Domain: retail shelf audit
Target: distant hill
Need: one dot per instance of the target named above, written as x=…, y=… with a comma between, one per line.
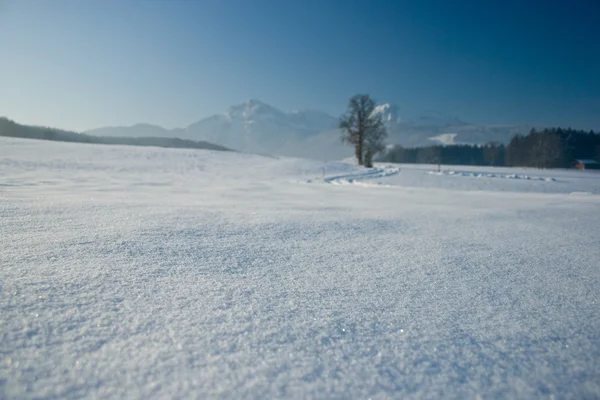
x=10, y=128
x=138, y=130
x=256, y=127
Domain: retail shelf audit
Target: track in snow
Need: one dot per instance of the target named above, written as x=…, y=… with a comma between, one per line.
x=491, y=175
x=359, y=177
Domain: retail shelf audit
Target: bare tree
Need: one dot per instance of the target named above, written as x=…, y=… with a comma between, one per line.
x=363, y=128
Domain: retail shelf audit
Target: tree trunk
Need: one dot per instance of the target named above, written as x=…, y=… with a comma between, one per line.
x=358, y=153
x=368, y=160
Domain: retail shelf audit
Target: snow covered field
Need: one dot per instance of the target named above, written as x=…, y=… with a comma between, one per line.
x=158, y=273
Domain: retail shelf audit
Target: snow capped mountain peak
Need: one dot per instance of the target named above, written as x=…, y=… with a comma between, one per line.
x=254, y=126
x=253, y=108
x=388, y=112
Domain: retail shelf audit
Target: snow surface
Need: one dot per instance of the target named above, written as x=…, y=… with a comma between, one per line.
x=445, y=138
x=388, y=112
x=161, y=273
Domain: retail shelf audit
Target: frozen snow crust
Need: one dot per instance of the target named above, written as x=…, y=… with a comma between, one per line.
x=157, y=273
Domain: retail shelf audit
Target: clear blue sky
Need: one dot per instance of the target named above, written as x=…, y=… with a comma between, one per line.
x=82, y=64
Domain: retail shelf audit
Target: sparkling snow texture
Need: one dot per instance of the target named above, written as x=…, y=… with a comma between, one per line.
x=157, y=273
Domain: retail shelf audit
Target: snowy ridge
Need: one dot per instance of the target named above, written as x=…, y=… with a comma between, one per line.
x=256, y=127
x=445, y=138
x=388, y=112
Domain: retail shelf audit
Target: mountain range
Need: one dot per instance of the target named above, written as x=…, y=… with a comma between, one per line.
x=256, y=127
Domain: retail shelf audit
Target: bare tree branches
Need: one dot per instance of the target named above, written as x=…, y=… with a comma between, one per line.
x=363, y=128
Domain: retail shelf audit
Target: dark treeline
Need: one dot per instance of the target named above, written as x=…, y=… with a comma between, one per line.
x=490, y=154
x=547, y=148
x=552, y=148
x=10, y=128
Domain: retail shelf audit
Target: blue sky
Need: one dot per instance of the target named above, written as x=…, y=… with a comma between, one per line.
x=84, y=64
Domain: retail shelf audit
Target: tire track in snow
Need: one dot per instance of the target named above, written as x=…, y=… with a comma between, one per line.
x=361, y=177
x=476, y=174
